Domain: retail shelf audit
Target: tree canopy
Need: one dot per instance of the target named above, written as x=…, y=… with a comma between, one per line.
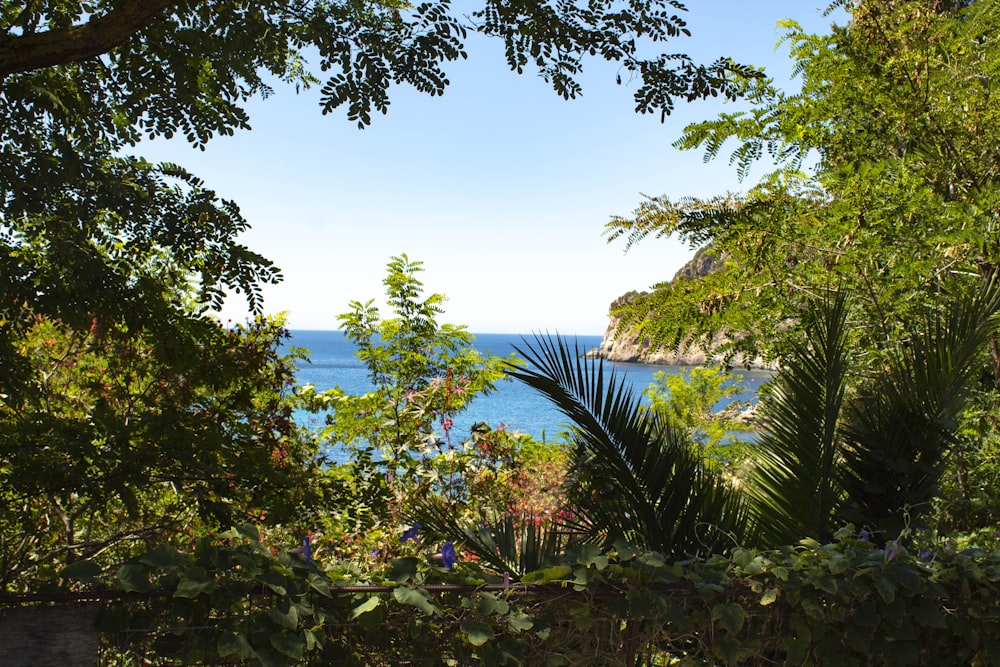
x=884, y=182
x=126, y=411
x=88, y=230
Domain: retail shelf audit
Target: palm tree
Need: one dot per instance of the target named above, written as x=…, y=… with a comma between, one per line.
x=635, y=477
x=874, y=458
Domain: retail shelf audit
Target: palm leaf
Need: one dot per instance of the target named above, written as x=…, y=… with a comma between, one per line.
x=636, y=478
x=515, y=544
x=794, y=483
x=899, y=432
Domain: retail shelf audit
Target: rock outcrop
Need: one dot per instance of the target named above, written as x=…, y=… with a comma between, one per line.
x=639, y=349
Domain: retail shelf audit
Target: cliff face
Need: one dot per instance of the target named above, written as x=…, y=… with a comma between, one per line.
x=636, y=349
x=633, y=348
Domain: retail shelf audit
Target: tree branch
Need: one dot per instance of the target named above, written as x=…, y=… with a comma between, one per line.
x=31, y=51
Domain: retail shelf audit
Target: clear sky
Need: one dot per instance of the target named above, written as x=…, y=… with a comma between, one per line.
x=500, y=186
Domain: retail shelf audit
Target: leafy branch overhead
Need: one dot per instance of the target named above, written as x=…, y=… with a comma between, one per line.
x=880, y=177
x=367, y=46
x=87, y=230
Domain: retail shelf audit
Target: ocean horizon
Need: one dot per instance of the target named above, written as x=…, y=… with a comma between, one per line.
x=514, y=405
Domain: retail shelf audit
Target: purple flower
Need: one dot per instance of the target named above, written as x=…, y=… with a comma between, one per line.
x=305, y=549
x=865, y=537
x=410, y=533
x=927, y=556
x=448, y=555
x=891, y=550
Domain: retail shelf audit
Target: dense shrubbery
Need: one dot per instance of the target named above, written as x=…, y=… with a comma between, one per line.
x=844, y=603
x=465, y=551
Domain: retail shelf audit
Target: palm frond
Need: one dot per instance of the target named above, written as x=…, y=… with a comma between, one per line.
x=636, y=478
x=794, y=483
x=515, y=544
x=899, y=432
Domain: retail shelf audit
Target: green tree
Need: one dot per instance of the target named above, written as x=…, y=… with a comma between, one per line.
x=885, y=182
x=400, y=434
x=691, y=399
x=833, y=451
x=97, y=242
x=86, y=230
x=636, y=474
x=115, y=450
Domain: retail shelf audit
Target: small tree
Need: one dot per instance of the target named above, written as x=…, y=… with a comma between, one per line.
x=701, y=401
x=400, y=434
x=117, y=449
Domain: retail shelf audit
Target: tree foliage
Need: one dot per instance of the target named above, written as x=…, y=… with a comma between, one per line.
x=119, y=260
x=88, y=230
x=833, y=450
x=702, y=401
x=115, y=449
x=636, y=474
x=884, y=183
x=398, y=439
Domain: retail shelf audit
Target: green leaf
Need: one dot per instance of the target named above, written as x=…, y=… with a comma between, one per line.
x=319, y=583
x=274, y=580
x=162, y=557
x=193, y=582
x=769, y=596
x=403, y=569
x=81, y=570
x=133, y=578
x=368, y=605
x=885, y=588
x=490, y=604
x=233, y=643
x=286, y=615
x=928, y=614
x=414, y=598
x=289, y=644
x=550, y=574
x=519, y=621
x=590, y=554
x=731, y=615
x=477, y=633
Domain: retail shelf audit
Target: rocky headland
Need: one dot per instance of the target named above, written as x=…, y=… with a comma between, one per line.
x=628, y=347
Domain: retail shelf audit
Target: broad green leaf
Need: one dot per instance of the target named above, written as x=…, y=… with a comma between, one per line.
x=319, y=583
x=403, y=569
x=230, y=644
x=81, y=570
x=476, y=632
x=731, y=615
x=289, y=644
x=929, y=614
x=519, y=621
x=365, y=607
x=193, y=582
x=133, y=578
x=555, y=573
x=490, y=604
x=286, y=615
x=414, y=598
x=885, y=588
x=162, y=557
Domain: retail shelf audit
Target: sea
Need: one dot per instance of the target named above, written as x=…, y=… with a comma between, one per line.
x=514, y=405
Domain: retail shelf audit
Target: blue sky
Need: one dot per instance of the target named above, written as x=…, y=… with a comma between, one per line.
x=500, y=187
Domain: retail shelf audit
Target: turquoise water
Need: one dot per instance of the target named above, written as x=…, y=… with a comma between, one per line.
x=514, y=405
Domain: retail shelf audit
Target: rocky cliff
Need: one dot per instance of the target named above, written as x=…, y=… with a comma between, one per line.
x=632, y=348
